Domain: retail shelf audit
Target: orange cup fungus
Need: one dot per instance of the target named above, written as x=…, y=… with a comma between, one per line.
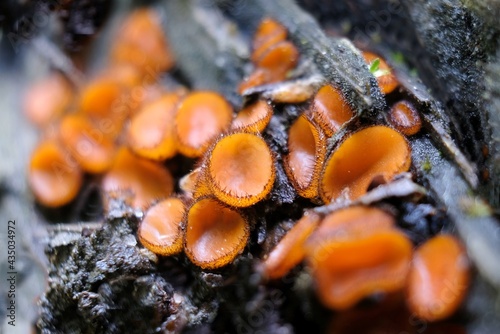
x=268, y=34
x=330, y=109
x=438, y=279
x=160, y=230
x=355, y=253
x=141, y=42
x=215, y=233
x=253, y=118
x=405, y=118
x=371, y=152
x=306, y=154
x=54, y=177
x=240, y=169
x=151, y=131
x=273, y=56
x=387, y=81
x=290, y=251
x=201, y=117
x=99, y=97
x=147, y=180
x=88, y=146
x=47, y=99
x=278, y=60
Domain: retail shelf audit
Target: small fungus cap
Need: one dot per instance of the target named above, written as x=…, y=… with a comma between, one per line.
x=215, y=233
x=405, y=118
x=151, y=131
x=386, y=79
x=200, y=118
x=240, y=169
x=278, y=60
x=330, y=109
x=269, y=33
x=160, y=230
x=371, y=152
x=147, y=180
x=439, y=278
x=99, y=97
x=47, y=99
x=307, y=150
x=253, y=118
x=54, y=177
x=357, y=252
x=88, y=145
x=289, y=252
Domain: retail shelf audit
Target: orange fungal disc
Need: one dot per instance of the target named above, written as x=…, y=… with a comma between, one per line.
x=387, y=81
x=253, y=118
x=306, y=153
x=215, y=233
x=439, y=278
x=357, y=254
x=147, y=180
x=54, y=178
x=201, y=117
x=268, y=34
x=376, y=151
x=47, y=99
x=354, y=222
x=151, y=131
x=346, y=272
x=405, y=118
x=160, y=230
x=257, y=78
x=330, y=109
x=278, y=60
x=141, y=42
x=99, y=97
x=289, y=252
x=88, y=146
x=240, y=169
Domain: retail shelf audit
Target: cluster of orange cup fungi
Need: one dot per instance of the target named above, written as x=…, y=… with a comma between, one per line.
x=83, y=126
x=122, y=124
x=358, y=251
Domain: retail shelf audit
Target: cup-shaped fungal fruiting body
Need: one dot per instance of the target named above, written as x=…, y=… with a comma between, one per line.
x=405, y=118
x=253, y=118
x=47, y=99
x=151, y=131
x=273, y=56
x=278, y=60
x=142, y=43
x=386, y=79
x=215, y=233
x=89, y=146
x=268, y=33
x=54, y=177
x=439, y=278
x=306, y=154
x=100, y=96
x=240, y=169
x=160, y=230
x=290, y=251
x=355, y=254
x=146, y=180
x=201, y=116
x=375, y=151
x=330, y=109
